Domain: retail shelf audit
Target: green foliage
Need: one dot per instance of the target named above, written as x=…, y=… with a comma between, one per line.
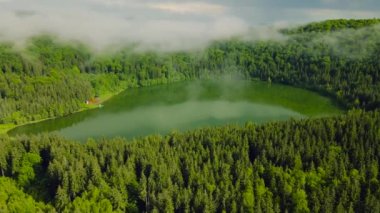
x=90, y=201
x=300, y=201
x=248, y=199
x=26, y=171
x=334, y=25
x=255, y=168
x=31, y=98
x=15, y=200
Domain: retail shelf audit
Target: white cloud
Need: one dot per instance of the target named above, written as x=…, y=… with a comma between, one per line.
x=190, y=7
x=100, y=29
x=168, y=24
x=116, y=3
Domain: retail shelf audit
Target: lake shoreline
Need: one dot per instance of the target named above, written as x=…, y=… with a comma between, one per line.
x=151, y=109
x=5, y=128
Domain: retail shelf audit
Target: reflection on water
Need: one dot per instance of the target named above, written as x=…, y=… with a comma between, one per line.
x=162, y=119
x=183, y=106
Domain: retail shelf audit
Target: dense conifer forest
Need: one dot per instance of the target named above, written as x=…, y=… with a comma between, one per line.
x=322, y=165
x=311, y=165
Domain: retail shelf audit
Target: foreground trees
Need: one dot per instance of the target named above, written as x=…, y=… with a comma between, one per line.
x=328, y=165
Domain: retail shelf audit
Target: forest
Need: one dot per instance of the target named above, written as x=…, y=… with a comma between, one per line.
x=52, y=78
x=315, y=165
x=309, y=165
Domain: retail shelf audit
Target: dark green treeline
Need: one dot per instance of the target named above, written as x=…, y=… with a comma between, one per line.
x=320, y=165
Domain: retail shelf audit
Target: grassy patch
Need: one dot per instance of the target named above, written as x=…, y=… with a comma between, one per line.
x=4, y=128
x=101, y=99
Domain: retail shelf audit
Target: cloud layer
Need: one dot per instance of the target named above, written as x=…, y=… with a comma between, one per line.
x=190, y=7
x=161, y=24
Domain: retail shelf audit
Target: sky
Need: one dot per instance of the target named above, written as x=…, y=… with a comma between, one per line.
x=167, y=24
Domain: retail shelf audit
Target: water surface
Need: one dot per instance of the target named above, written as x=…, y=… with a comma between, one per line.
x=185, y=106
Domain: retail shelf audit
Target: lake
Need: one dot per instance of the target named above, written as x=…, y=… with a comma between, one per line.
x=185, y=106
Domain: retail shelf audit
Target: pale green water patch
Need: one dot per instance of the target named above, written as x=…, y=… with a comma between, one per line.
x=185, y=106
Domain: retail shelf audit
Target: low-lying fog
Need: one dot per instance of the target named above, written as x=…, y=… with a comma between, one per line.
x=168, y=25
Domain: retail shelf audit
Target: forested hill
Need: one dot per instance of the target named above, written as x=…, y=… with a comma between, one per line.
x=333, y=25
x=52, y=78
x=323, y=165
x=312, y=165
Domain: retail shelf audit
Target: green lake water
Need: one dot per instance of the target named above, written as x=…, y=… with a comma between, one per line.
x=185, y=106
